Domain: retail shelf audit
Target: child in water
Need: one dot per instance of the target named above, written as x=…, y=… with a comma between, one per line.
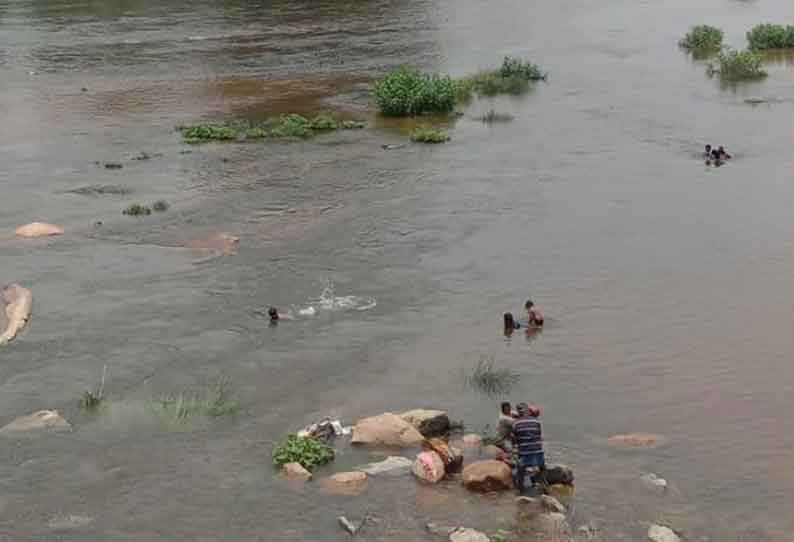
x=534, y=316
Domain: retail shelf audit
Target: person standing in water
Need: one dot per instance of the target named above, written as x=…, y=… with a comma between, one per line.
x=504, y=426
x=528, y=439
x=534, y=316
x=510, y=324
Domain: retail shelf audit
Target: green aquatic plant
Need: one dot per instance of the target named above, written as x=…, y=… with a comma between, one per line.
x=738, y=66
x=292, y=125
x=208, y=132
x=770, y=36
x=212, y=401
x=425, y=134
x=405, y=92
x=515, y=77
x=136, y=209
x=92, y=398
x=522, y=69
x=255, y=132
x=491, y=380
x=160, y=206
x=702, y=40
x=324, y=122
x=308, y=451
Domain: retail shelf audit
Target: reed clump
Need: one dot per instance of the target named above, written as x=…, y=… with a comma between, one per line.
x=770, y=36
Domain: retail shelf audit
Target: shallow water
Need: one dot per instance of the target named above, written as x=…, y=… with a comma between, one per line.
x=664, y=281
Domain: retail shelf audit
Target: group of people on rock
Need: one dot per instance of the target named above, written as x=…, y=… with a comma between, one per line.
x=715, y=155
x=520, y=437
x=533, y=321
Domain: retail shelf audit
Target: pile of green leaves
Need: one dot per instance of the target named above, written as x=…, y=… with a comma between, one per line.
x=771, y=36
x=739, y=66
x=405, y=92
x=424, y=134
x=309, y=452
x=702, y=40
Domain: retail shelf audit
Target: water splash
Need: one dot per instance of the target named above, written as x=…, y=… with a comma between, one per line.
x=329, y=301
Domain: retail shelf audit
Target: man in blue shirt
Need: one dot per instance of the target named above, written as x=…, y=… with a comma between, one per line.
x=528, y=440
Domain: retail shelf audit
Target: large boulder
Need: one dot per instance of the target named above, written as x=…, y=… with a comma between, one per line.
x=295, y=471
x=489, y=475
x=559, y=474
x=660, y=533
x=38, y=229
x=19, y=303
x=391, y=465
x=387, y=429
x=463, y=534
x=451, y=456
x=428, y=467
x=431, y=423
x=43, y=419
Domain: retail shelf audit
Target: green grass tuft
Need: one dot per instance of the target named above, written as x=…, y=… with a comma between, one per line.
x=425, y=134
x=309, y=452
x=514, y=77
x=738, y=66
x=491, y=380
x=91, y=399
x=405, y=92
x=212, y=401
x=136, y=209
x=702, y=40
x=770, y=36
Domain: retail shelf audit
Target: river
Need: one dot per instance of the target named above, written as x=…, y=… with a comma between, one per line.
x=664, y=281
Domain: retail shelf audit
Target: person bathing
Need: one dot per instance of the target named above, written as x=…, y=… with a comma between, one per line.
x=534, y=316
x=504, y=427
x=528, y=439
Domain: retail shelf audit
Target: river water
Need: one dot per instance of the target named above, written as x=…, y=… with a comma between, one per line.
x=665, y=282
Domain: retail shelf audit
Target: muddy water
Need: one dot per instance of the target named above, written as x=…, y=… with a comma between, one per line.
x=665, y=282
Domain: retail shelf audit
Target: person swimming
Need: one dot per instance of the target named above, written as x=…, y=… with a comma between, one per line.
x=275, y=316
x=723, y=154
x=510, y=323
x=534, y=316
x=707, y=154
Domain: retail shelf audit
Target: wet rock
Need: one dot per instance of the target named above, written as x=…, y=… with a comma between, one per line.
x=560, y=491
x=660, y=533
x=636, y=440
x=18, y=304
x=428, y=467
x=467, y=535
x=440, y=530
x=653, y=482
x=431, y=423
x=559, y=474
x=528, y=507
x=392, y=465
x=113, y=165
x=62, y=523
x=346, y=483
x=451, y=456
x=472, y=440
x=295, y=471
x=489, y=475
x=38, y=229
x=43, y=419
x=387, y=429
x=553, y=527
x=550, y=504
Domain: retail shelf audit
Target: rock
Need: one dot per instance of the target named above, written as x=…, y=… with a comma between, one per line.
x=43, y=419
x=654, y=482
x=451, y=456
x=428, y=467
x=391, y=465
x=660, y=533
x=472, y=440
x=346, y=483
x=550, y=504
x=553, y=527
x=489, y=475
x=431, y=423
x=19, y=303
x=69, y=522
x=636, y=440
x=559, y=474
x=528, y=506
x=492, y=451
x=560, y=491
x=467, y=535
x=441, y=530
x=387, y=429
x=295, y=471
x=38, y=229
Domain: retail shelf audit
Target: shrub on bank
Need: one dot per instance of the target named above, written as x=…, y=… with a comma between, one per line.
x=308, y=451
x=770, y=36
x=739, y=66
x=429, y=135
x=406, y=92
x=702, y=39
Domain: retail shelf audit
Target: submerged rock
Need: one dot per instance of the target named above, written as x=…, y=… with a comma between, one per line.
x=295, y=471
x=428, y=467
x=489, y=475
x=559, y=474
x=70, y=522
x=553, y=527
x=441, y=530
x=218, y=241
x=38, y=229
x=43, y=419
x=468, y=535
x=430, y=423
x=387, y=429
x=636, y=440
x=660, y=533
x=550, y=504
x=391, y=465
x=346, y=483
x=652, y=481
x=19, y=303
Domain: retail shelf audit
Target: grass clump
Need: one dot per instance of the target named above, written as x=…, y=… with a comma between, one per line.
x=324, y=122
x=491, y=380
x=292, y=125
x=208, y=132
x=424, y=134
x=738, y=66
x=522, y=69
x=308, y=451
x=91, y=399
x=770, y=36
x=160, y=206
x=212, y=401
x=515, y=77
x=136, y=209
x=702, y=39
x=405, y=92
x=492, y=116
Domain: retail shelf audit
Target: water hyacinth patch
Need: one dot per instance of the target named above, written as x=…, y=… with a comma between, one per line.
x=308, y=451
x=702, y=40
x=286, y=126
x=208, y=132
x=429, y=135
x=405, y=92
x=770, y=36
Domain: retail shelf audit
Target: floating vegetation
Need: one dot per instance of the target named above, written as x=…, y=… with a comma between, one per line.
x=91, y=399
x=515, y=76
x=291, y=125
x=491, y=380
x=425, y=134
x=405, y=92
x=160, y=206
x=136, y=209
x=738, y=66
x=492, y=116
x=308, y=451
x=208, y=132
x=212, y=401
x=702, y=40
x=324, y=122
x=770, y=36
